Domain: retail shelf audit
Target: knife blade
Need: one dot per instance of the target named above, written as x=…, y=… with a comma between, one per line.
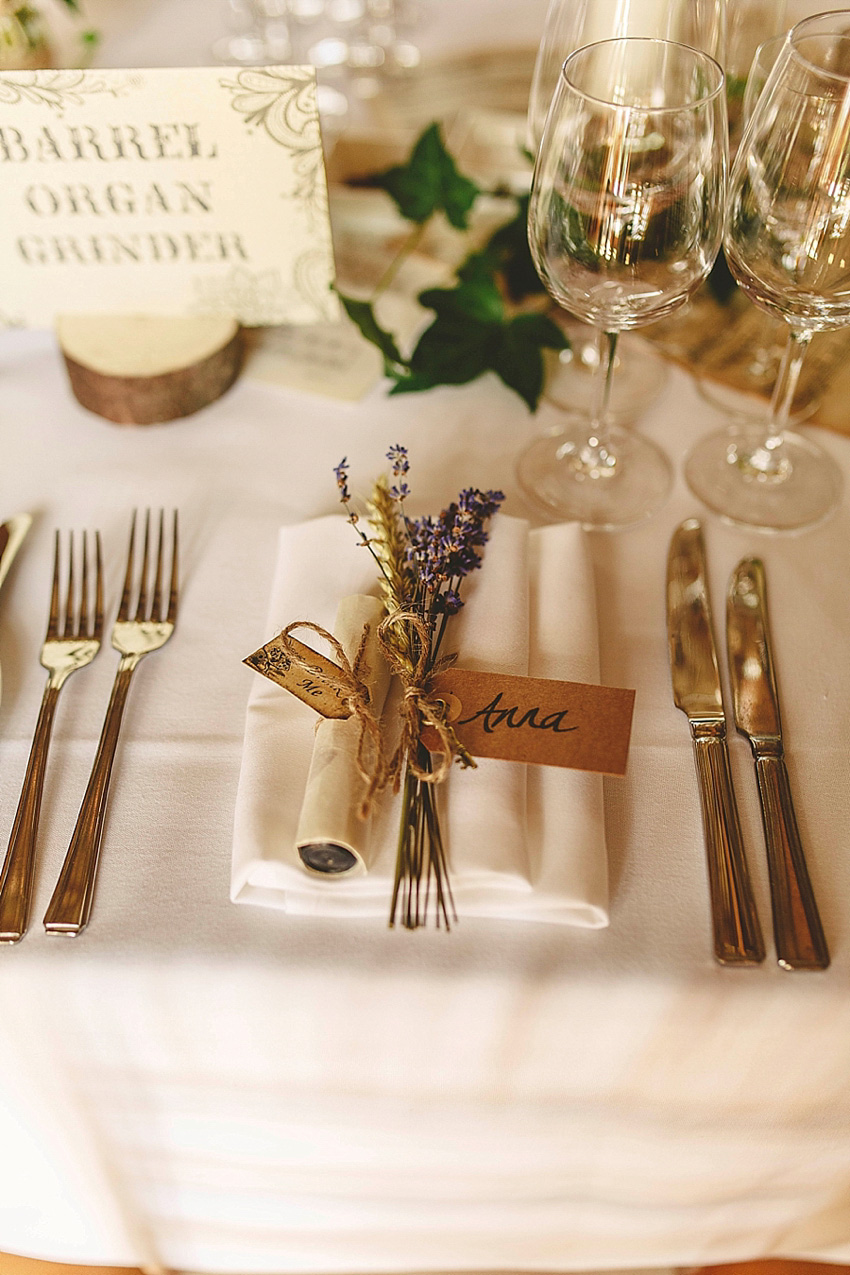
x=12, y=534
x=696, y=692
x=800, y=941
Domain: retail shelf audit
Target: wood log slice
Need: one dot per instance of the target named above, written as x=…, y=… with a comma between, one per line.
x=143, y=369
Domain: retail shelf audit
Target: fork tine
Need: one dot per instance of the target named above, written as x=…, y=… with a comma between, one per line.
x=98, y=589
x=142, y=604
x=53, y=619
x=82, y=626
x=172, y=593
x=156, y=601
x=68, y=617
x=124, y=605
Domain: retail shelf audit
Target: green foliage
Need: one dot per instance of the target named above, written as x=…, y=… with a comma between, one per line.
x=472, y=334
x=473, y=330
x=429, y=182
x=362, y=313
x=509, y=251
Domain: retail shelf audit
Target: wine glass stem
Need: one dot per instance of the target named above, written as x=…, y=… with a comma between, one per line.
x=785, y=389
x=597, y=456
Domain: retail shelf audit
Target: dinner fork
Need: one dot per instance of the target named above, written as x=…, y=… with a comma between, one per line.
x=63, y=652
x=136, y=636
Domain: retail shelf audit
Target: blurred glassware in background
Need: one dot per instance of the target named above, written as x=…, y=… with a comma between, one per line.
x=569, y=25
x=354, y=44
x=767, y=341
x=788, y=244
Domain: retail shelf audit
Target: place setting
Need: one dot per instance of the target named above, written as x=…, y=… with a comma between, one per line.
x=431, y=687
x=460, y=883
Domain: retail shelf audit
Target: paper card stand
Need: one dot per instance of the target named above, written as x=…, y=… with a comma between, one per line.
x=151, y=215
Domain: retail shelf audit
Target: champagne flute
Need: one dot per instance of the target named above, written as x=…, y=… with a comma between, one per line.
x=569, y=25
x=625, y=220
x=788, y=245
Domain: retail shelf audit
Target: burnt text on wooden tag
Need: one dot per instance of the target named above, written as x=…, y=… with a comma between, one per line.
x=273, y=662
x=534, y=719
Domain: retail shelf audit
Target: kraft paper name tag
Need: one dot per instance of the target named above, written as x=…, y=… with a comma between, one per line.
x=272, y=662
x=523, y=719
x=533, y=719
x=167, y=191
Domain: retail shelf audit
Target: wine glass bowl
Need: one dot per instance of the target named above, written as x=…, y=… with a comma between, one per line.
x=569, y=25
x=625, y=219
x=788, y=244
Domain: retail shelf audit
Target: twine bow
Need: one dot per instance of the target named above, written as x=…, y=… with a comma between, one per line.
x=419, y=705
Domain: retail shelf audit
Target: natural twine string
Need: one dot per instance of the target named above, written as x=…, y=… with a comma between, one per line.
x=419, y=707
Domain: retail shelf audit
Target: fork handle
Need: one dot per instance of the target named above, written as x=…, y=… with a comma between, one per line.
x=16, y=879
x=70, y=907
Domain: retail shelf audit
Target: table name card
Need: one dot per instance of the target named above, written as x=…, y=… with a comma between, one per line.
x=538, y=720
x=524, y=719
x=170, y=191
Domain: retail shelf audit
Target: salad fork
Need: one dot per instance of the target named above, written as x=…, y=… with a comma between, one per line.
x=64, y=651
x=134, y=636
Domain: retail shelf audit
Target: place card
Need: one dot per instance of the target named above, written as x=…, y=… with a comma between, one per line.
x=538, y=720
x=186, y=191
x=535, y=720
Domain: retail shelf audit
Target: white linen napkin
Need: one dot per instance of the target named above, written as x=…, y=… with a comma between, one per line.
x=523, y=842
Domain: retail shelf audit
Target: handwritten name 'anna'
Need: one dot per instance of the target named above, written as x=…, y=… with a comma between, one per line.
x=492, y=716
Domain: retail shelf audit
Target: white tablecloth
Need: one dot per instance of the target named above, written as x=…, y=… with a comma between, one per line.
x=229, y=1089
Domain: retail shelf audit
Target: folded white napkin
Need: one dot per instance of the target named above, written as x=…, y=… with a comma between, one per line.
x=524, y=842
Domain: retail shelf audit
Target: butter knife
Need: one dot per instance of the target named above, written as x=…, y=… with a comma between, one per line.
x=12, y=534
x=696, y=691
x=800, y=942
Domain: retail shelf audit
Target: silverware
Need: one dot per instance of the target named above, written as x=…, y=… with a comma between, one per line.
x=62, y=654
x=150, y=627
x=12, y=533
x=800, y=942
x=696, y=691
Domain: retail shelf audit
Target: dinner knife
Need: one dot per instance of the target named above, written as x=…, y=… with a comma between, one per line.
x=696, y=691
x=800, y=941
x=12, y=534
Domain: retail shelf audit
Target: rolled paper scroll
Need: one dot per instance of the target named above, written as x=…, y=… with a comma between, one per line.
x=332, y=839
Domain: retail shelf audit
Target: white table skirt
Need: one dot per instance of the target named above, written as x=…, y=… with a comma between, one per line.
x=184, y=1083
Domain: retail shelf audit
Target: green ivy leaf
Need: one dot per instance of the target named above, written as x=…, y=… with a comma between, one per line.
x=362, y=313
x=519, y=357
x=509, y=250
x=470, y=336
x=472, y=299
x=429, y=182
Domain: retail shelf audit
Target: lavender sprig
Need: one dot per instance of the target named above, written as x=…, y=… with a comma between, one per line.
x=431, y=557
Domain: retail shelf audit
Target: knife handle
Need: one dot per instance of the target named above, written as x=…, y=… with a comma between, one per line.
x=800, y=941
x=737, y=933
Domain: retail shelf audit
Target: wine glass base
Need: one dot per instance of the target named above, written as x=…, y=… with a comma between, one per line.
x=804, y=494
x=561, y=488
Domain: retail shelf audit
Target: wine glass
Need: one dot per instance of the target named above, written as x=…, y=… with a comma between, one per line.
x=569, y=25
x=625, y=220
x=788, y=245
